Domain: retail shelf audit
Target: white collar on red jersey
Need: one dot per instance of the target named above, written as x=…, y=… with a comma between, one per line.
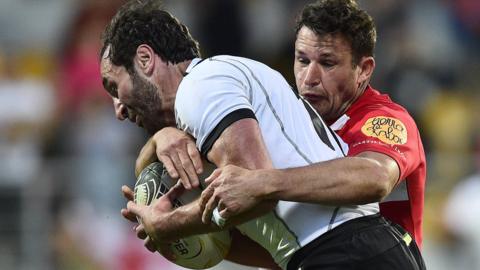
x=340, y=122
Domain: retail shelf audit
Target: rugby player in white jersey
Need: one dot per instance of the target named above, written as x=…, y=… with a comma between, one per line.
x=239, y=112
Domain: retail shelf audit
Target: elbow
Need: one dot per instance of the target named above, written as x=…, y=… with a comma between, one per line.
x=381, y=184
x=381, y=192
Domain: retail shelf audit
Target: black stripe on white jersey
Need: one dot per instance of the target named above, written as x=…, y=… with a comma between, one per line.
x=225, y=123
x=322, y=134
x=270, y=105
x=320, y=126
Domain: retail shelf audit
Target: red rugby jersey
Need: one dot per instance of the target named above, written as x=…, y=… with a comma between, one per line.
x=375, y=123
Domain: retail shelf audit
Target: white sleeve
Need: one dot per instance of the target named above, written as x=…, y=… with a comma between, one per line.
x=209, y=100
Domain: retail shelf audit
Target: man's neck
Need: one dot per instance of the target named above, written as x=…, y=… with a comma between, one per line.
x=183, y=66
x=361, y=89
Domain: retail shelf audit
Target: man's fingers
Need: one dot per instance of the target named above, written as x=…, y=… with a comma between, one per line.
x=195, y=157
x=172, y=171
x=175, y=192
x=216, y=173
x=166, y=251
x=189, y=169
x=205, y=196
x=135, y=208
x=207, y=212
x=140, y=230
x=127, y=193
x=183, y=175
x=224, y=213
x=128, y=215
x=148, y=243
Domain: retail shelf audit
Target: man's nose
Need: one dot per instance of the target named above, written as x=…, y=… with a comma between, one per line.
x=313, y=76
x=121, y=111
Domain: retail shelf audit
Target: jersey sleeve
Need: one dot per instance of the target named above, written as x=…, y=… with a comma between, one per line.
x=210, y=101
x=389, y=132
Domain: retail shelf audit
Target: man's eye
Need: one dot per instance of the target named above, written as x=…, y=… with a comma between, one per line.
x=327, y=63
x=302, y=60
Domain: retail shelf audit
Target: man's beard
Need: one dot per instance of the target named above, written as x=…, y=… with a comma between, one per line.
x=148, y=104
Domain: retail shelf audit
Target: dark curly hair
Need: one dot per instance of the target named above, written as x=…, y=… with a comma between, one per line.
x=344, y=17
x=145, y=22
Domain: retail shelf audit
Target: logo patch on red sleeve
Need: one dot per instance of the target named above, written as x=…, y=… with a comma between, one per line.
x=386, y=129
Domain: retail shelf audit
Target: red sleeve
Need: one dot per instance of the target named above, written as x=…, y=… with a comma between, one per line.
x=389, y=132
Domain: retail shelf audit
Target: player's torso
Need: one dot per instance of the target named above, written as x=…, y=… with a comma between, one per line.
x=291, y=141
x=404, y=205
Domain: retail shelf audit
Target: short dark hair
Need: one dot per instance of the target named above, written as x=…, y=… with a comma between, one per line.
x=342, y=17
x=145, y=22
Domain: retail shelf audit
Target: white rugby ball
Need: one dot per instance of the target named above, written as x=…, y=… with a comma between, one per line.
x=195, y=252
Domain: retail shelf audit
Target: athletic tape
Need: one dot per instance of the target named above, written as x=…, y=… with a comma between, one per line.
x=217, y=218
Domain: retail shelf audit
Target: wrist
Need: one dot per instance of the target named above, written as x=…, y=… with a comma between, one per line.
x=190, y=220
x=271, y=186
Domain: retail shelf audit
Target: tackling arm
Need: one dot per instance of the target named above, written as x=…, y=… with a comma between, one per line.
x=365, y=178
x=368, y=177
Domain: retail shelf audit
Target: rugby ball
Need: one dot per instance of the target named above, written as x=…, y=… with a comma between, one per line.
x=194, y=252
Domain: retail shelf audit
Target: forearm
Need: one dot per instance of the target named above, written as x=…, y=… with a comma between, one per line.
x=187, y=220
x=344, y=181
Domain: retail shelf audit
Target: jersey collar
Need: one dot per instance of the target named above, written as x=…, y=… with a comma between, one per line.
x=194, y=62
x=342, y=120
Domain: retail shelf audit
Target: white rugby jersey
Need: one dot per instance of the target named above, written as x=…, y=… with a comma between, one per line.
x=220, y=90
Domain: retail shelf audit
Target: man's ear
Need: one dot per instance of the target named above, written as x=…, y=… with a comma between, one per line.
x=145, y=59
x=366, y=66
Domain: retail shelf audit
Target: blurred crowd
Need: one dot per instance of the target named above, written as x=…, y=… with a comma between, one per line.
x=64, y=156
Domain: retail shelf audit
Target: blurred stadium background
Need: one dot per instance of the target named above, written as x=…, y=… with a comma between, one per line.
x=63, y=156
